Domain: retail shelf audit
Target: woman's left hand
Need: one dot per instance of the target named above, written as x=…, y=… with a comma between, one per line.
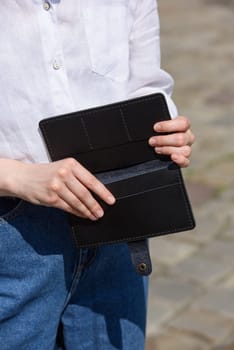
x=177, y=144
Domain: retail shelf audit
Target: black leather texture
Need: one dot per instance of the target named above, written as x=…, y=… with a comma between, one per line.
x=112, y=142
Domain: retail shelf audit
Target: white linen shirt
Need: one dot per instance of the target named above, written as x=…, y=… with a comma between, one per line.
x=65, y=55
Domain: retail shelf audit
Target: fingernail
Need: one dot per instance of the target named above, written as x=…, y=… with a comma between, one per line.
x=158, y=127
x=110, y=200
x=99, y=213
x=93, y=218
x=158, y=150
x=151, y=142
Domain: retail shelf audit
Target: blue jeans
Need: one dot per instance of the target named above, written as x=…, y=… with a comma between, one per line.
x=54, y=295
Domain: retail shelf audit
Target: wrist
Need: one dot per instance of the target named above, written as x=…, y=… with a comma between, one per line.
x=10, y=176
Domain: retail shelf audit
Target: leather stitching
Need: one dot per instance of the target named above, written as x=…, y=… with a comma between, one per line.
x=86, y=133
x=125, y=125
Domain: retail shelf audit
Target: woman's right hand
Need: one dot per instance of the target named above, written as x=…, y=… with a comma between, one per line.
x=64, y=184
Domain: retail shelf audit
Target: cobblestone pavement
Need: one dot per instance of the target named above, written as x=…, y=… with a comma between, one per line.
x=191, y=304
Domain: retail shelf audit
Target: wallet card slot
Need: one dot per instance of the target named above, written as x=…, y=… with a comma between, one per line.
x=138, y=180
x=140, y=214
x=132, y=171
x=146, y=191
x=112, y=131
x=140, y=120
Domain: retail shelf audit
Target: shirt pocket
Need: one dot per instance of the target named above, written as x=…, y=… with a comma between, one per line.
x=107, y=34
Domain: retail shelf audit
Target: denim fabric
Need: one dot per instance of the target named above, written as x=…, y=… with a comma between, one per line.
x=56, y=296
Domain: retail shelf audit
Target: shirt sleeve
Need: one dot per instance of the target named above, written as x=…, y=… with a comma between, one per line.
x=146, y=75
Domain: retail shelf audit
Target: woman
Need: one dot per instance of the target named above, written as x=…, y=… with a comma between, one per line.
x=57, y=57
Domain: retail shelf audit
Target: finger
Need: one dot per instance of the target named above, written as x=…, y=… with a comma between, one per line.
x=81, y=193
x=174, y=140
x=178, y=124
x=72, y=201
x=191, y=137
x=167, y=150
x=180, y=160
x=64, y=206
x=92, y=183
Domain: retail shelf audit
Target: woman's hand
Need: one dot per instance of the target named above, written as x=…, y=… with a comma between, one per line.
x=64, y=184
x=178, y=143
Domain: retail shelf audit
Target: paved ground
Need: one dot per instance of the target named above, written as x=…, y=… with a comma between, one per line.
x=192, y=287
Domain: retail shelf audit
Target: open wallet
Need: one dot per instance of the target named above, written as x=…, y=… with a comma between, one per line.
x=111, y=141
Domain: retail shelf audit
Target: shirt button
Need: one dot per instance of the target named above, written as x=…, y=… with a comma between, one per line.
x=56, y=65
x=46, y=6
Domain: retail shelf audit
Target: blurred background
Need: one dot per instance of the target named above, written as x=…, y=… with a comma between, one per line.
x=191, y=304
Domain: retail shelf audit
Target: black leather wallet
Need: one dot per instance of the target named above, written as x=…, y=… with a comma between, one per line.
x=112, y=142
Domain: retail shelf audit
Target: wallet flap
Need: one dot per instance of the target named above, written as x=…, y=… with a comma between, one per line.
x=122, y=141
